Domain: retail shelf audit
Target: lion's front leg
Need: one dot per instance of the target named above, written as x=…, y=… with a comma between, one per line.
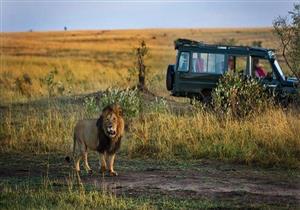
x=111, y=159
x=102, y=162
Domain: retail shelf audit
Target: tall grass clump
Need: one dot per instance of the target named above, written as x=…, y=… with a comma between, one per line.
x=38, y=131
x=269, y=139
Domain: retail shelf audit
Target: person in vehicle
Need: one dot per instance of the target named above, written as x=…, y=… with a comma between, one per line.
x=199, y=66
x=258, y=69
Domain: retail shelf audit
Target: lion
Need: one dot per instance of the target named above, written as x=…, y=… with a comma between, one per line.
x=103, y=135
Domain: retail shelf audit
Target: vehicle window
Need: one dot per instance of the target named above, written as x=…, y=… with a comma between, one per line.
x=208, y=63
x=199, y=63
x=241, y=64
x=184, y=61
x=262, y=68
x=237, y=64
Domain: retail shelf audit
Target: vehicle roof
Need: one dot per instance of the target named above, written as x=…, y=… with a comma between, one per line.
x=181, y=44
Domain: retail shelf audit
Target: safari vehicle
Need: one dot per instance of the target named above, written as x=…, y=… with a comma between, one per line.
x=199, y=66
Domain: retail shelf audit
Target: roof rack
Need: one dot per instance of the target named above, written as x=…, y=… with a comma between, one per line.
x=187, y=42
x=192, y=43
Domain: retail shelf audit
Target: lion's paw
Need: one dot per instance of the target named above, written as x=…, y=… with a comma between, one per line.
x=113, y=173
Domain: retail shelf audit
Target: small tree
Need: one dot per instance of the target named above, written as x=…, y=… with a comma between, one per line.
x=139, y=69
x=288, y=30
x=140, y=53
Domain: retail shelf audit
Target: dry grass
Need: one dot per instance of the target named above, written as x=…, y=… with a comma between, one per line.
x=38, y=130
x=95, y=60
x=270, y=139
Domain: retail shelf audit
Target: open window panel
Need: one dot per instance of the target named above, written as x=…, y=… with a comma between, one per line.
x=237, y=64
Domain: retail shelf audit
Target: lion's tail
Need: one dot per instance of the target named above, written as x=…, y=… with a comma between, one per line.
x=68, y=159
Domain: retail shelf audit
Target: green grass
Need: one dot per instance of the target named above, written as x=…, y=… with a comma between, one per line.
x=43, y=198
x=24, y=196
x=49, y=199
x=49, y=195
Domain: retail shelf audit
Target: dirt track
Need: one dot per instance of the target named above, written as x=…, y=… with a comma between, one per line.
x=241, y=185
x=207, y=179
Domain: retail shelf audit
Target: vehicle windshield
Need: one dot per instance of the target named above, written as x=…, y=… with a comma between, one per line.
x=279, y=69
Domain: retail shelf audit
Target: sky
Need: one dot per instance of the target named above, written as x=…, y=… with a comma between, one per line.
x=42, y=15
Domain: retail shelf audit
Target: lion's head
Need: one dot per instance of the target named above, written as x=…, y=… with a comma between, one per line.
x=112, y=121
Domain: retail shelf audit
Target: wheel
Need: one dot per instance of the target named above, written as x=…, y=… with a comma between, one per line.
x=206, y=96
x=170, y=77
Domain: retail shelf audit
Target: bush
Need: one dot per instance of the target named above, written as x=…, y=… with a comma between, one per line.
x=239, y=97
x=128, y=99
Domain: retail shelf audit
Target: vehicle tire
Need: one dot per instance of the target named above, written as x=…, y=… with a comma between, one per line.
x=206, y=96
x=170, y=77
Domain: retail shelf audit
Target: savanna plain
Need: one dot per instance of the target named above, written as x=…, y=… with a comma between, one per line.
x=174, y=155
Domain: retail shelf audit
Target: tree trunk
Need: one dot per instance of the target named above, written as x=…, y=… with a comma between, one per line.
x=142, y=69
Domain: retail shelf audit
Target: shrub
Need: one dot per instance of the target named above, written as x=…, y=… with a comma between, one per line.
x=128, y=99
x=239, y=96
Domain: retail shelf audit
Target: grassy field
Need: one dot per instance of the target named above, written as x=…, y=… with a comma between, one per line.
x=53, y=74
x=35, y=64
